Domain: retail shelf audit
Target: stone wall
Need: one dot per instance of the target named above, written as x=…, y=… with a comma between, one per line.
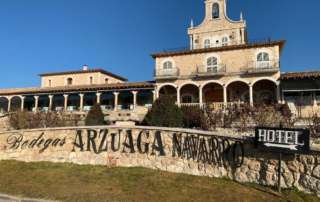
x=175, y=150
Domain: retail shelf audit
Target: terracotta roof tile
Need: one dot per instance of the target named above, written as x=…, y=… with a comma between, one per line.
x=300, y=75
x=86, y=71
x=83, y=88
x=281, y=43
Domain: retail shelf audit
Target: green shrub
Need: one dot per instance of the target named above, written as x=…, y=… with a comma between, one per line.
x=164, y=113
x=193, y=117
x=95, y=116
x=29, y=120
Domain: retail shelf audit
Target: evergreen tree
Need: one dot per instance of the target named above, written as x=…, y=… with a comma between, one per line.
x=95, y=116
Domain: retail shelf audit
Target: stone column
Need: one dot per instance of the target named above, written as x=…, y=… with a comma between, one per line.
x=251, y=95
x=81, y=101
x=225, y=96
x=50, y=102
x=22, y=103
x=154, y=95
x=9, y=103
x=65, y=101
x=36, y=103
x=278, y=93
x=178, y=97
x=200, y=97
x=98, y=97
x=315, y=104
x=116, y=94
x=134, y=98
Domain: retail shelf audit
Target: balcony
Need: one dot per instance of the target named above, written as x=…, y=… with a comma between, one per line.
x=167, y=73
x=204, y=71
x=255, y=67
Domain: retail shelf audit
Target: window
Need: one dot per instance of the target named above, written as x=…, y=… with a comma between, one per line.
x=91, y=80
x=212, y=64
x=69, y=81
x=207, y=43
x=167, y=65
x=106, y=80
x=49, y=83
x=224, y=41
x=215, y=11
x=263, y=60
x=187, y=99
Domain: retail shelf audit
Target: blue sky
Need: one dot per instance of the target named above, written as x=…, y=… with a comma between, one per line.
x=39, y=36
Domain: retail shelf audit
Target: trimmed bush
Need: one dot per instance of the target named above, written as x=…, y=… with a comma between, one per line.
x=29, y=120
x=95, y=116
x=193, y=117
x=164, y=113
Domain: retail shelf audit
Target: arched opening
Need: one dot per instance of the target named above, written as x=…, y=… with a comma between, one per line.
x=89, y=99
x=16, y=103
x=4, y=102
x=238, y=91
x=125, y=100
x=212, y=93
x=29, y=103
x=73, y=102
x=58, y=103
x=145, y=98
x=212, y=64
x=107, y=101
x=167, y=65
x=215, y=11
x=189, y=94
x=263, y=60
x=264, y=92
x=168, y=90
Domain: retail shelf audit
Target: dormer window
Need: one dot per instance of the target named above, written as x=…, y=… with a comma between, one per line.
x=215, y=11
x=207, y=43
x=69, y=81
x=167, y=65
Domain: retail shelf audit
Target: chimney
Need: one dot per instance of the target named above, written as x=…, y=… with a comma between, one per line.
x=85, y=67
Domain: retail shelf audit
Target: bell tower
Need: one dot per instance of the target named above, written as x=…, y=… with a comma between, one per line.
x=217, y=29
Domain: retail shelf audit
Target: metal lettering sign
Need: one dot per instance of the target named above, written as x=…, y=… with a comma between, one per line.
x=283, y=140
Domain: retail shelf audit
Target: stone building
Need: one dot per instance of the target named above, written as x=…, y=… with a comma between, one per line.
x=221, y=67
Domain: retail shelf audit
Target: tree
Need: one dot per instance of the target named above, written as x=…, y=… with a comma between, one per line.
x=95, y=116
x=164, y=113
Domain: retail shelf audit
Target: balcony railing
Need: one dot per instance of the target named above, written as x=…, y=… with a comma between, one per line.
x=203, y=71
x=261, y=67
x=167, y=73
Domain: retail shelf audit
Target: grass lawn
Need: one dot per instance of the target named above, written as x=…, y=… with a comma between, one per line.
x=68, y=182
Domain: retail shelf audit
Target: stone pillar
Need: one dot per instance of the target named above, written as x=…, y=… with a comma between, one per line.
x=116, y=94
x=9, y=103
x=154, y=95
x=315, y=104
x=134, y=98
x=200, y=97
x=251, y=95
x=81, y=101
x=278, y=93
x=98, y=97
x=50, y=102
x=65, y=101
x=178, y=97
x=36, y=103
x=22, y=102
x=225, y=96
